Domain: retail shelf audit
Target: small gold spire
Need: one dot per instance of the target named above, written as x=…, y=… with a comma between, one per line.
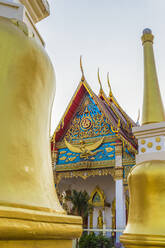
x=81, y=67
x=153, y=109
x=101, y=89
x=110, y=90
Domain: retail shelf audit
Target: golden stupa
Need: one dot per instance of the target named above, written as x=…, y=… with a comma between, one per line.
x=30, y=213
x=146, y=221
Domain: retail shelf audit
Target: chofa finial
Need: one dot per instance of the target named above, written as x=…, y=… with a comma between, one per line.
x=81, y=67
x=110, y=90
x=101, y=88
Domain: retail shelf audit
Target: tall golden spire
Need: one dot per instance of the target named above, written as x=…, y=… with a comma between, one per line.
x=101, y=88
x=81, y=67
x=146, y=181
x=110, y=90
x=153, y=109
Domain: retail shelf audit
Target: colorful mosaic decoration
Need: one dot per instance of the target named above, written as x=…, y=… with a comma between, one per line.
x=106, y=151
x=87, y=138
x=127, y=154
x=88, y=122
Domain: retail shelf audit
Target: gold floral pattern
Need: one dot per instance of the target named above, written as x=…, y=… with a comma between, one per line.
x=90, y=117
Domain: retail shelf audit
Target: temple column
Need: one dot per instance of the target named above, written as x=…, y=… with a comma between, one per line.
x=120, y=196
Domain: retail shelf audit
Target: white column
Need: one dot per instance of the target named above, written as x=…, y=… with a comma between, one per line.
x=120, y=196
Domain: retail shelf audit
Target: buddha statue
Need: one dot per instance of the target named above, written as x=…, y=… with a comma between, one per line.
x=100, y=220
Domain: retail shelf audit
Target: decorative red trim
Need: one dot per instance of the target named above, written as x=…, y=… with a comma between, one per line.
x=68, y=117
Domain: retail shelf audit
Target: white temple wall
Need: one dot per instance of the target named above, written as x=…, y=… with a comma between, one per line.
x=95, y=214
x=105, y=183
x=108, y=217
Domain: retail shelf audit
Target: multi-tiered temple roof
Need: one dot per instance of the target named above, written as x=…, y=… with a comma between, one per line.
x=89, y=130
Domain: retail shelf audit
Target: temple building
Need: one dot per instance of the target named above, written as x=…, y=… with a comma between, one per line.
x=93, y=149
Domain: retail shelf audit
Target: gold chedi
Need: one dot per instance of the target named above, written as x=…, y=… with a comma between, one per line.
x=30, y=213
x=153, y=109
x=146, y=221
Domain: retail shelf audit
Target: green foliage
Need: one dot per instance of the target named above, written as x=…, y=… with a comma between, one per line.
x=95, y=241
x=88, y=241
x=80, y=203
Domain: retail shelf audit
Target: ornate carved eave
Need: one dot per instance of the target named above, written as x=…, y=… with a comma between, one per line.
x=38, y=9
x=85, y=165
x=117, y=173
x=84, y=173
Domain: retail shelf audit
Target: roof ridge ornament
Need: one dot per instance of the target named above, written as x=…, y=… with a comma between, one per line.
x=82, y=70
x=101, y=88
x=110, y=89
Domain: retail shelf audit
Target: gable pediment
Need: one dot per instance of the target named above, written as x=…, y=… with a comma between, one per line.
x=88, y=122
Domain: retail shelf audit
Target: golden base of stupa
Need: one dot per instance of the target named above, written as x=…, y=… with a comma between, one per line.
x=36, y=244
x=146, y=222
x=27, y=228
x=30, y=212
x=142, y=241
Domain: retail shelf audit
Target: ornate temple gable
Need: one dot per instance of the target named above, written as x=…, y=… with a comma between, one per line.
x=91, y=112
x=88, y=122
x=87, y=134
x=84, y=139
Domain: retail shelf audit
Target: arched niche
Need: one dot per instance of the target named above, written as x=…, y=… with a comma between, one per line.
x=97, y=198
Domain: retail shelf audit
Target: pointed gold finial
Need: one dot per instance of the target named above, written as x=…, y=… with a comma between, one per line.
x=110, y=90
x=153, y=109
x=101, y=89
x=81, y=67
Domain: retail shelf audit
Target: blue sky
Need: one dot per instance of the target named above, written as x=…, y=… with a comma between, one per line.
x=108, y=35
